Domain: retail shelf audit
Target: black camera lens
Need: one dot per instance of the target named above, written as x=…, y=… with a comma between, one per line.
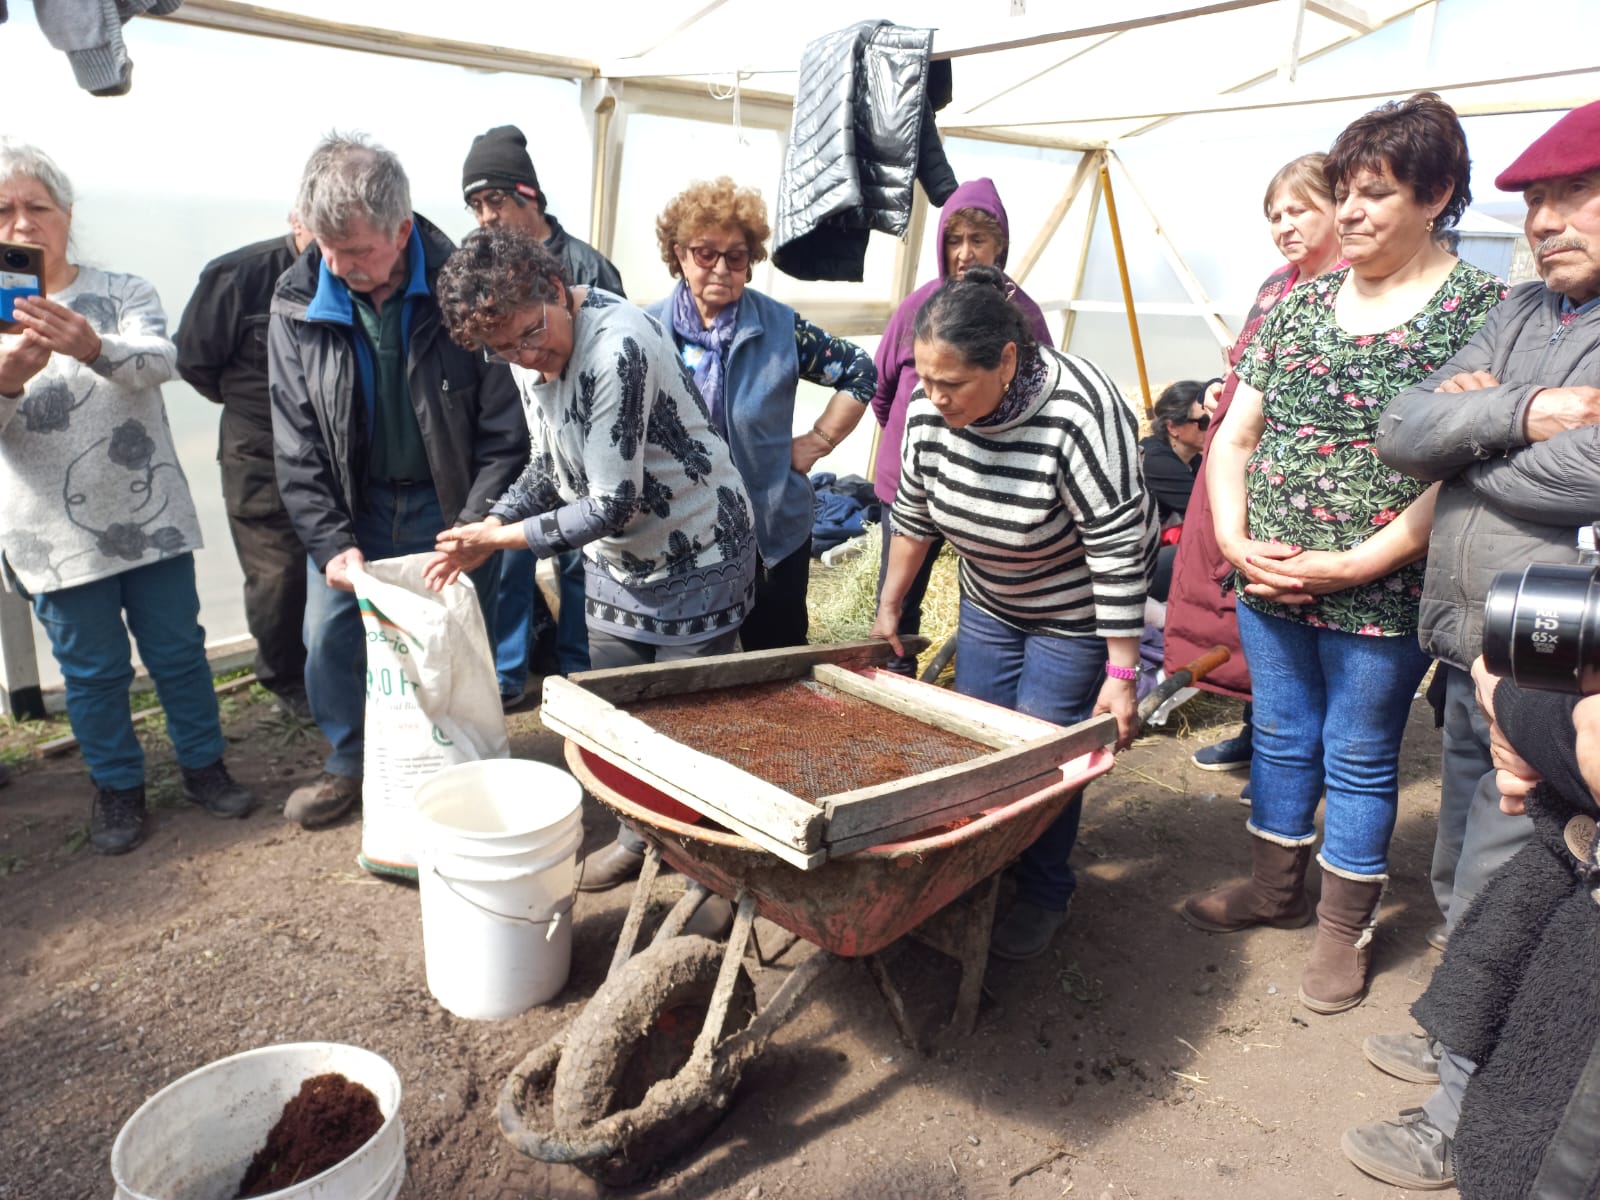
x=16, y=260
x=1541, y=628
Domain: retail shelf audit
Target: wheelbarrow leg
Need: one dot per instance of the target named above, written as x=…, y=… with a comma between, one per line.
x=891, y=997
x=629, y=937
x=973, y=955
x=961, y=931
x=732, y=963
x=694, y=894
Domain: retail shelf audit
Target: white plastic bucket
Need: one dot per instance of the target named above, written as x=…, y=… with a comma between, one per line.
x=194, y=1139
x=497, y=850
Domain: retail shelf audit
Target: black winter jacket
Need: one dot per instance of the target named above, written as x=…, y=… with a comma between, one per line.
x=222, y=354
x=585, y=265
x=468, y=410
x=862, y=133
x=1518, y=991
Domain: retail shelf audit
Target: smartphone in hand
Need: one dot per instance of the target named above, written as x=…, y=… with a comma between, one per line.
x=21, y=274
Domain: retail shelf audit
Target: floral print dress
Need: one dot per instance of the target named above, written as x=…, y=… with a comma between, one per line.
x=1315, y=479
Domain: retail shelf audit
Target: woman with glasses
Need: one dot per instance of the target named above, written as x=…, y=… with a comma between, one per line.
x=748, y=354
x=1170, y=457
x=625, y=466
x=1326, y=541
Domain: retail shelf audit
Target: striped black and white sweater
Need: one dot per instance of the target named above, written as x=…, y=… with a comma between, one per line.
x=1048, y=511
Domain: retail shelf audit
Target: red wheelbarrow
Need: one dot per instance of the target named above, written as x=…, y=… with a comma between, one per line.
x=650, y=1065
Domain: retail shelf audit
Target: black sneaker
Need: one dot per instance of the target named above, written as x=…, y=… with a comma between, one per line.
x=1025, y=932
x=117, y=823
x=214, y=790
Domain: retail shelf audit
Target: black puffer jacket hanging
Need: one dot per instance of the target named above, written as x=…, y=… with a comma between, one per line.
x=862, y=133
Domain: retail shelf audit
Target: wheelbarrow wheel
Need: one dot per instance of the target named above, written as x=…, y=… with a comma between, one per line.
x=640, y=1028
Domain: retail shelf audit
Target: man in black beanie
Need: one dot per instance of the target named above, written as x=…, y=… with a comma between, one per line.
x=502, y=188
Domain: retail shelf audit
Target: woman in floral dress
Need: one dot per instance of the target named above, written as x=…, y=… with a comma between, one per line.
x=1327, y=541
x=98, y=527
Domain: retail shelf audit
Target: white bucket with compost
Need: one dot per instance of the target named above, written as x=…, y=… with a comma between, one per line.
x=195, y=1138
x=497, y=850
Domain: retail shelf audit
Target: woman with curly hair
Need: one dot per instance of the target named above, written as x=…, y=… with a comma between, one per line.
x=1326, y=541
x=99, y=528
x=748, y=353
x=625, y=466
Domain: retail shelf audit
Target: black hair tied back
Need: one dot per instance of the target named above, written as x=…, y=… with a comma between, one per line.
x=976, y=316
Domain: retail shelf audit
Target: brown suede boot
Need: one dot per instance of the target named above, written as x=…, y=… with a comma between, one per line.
x=1336, y=974
x=1275, y=893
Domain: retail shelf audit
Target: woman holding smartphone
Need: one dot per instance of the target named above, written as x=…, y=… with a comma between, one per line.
x=99, y=529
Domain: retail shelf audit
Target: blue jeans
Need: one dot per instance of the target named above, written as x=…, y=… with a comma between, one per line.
x=517, y=617
x=1330, y=710
x=1054, y=678
x=397, y=519
x=90, y=641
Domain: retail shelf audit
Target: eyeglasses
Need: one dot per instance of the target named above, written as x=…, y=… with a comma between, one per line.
x=532, y=340
x=737, y=257
x=1203, y=421
x=491, y=198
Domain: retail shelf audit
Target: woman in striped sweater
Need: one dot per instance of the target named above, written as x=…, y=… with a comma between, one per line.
x=1026, y=461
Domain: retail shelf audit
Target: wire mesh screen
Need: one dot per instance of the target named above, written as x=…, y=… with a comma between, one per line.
x=805, y=737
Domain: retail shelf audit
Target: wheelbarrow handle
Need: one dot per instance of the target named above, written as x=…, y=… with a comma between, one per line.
x=1183, y=677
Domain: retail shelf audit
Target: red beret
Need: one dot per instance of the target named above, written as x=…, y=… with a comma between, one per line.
x=1569, y=147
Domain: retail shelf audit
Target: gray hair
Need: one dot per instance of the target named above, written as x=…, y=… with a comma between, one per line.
x=19, y=158
x=348, y=175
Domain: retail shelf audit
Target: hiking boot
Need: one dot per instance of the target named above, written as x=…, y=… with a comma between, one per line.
x=1413, y=1057
x=1439, y=936
x=1411, y=1152
x=1275, y=893
x=605, y=869
x=323, y=801
x=214, y=790
x=1025, y=932
x=117, y=823
x=1230, y=754
x=1335, y=977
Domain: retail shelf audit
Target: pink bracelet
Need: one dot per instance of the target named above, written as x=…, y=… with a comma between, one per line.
x=1117, y=672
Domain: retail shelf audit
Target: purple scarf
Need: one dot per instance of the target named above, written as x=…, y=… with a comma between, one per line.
x=710, y=370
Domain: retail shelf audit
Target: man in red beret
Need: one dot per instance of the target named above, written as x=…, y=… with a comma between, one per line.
x=1511, y=428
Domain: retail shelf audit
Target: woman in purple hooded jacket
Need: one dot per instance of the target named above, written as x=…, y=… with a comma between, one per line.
x=973, y=231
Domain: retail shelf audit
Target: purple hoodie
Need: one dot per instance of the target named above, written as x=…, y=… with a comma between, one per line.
x=897, y=368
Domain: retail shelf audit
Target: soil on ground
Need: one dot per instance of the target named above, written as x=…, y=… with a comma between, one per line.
x=1137, y=1058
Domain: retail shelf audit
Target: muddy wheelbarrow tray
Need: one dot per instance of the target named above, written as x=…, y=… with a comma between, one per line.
x=1008, y=756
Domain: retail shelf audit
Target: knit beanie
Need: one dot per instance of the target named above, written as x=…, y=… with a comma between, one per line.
x=499, y=159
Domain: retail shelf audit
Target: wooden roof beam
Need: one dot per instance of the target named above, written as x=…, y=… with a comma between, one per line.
x=1344, y=13
x=260, y=21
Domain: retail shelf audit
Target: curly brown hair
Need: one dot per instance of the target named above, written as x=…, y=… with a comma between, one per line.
x=494, y=273
x=712, y=204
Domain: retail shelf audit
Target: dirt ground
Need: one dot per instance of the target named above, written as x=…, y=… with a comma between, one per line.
x=1136, y=1059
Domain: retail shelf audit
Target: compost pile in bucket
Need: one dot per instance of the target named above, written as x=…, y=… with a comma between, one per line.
x=327, y=1121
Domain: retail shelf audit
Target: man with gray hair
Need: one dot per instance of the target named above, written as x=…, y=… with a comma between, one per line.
x=384, y=430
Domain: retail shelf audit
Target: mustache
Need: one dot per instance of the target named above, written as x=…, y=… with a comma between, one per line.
x=1564, y=241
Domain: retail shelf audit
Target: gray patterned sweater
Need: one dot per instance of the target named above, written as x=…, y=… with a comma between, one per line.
x=89, y=476
x=626, y=466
